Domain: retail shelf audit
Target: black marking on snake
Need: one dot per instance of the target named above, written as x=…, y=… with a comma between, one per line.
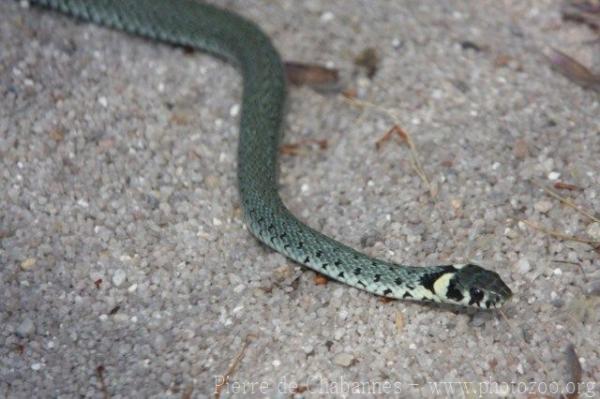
x=260, y=220
x=453, y=292
x=300, y=245
x=357, y=271
x=306, y=260
x=271, y=227
x=407, y=295
x=283, y=235
x=387, y=291
x=337, y=262
x=398, y=281
x=341, y=275
x=361, y=283
x=488, y=303
x=318, y=254
x=377, y=278
x=286, y=246
x=324, y=265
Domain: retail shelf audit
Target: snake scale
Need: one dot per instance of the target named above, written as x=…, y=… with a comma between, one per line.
x=242, y=43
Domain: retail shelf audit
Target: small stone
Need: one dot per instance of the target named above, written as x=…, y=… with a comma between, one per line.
x=480, y=318
x=553, y=175
x=327, y=16
x=520, y=149
x=239, y=288
x=543, y=206
x=343, y=359
x=523, y=266
x=593, y=288
x=234, y=110
x=119, y=277
x=593, y=231
x=28, y=263
x=159, y=343
x=557, y=302
x=36, y=366
x=26, y=328
x=103, y=101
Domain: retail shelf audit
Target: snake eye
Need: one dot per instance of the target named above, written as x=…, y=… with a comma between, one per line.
x=476, y=294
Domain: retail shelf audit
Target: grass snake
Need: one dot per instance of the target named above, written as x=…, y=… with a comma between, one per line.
x=242, y=43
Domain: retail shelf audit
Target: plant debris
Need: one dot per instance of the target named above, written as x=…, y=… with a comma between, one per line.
x=397, y=130
x=320, y=279
x=316, y=76
x=295, y=148
x=573, y=70
x=585, y=11
x=368, y=60
x=575, y=370
x=222, y=380
x=566, y=186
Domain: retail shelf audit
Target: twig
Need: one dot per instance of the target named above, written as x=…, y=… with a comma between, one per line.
x=103, y=388
x=567, y=202
x=567, y=262
x=233, y=366
x=560, y=235
x=414, y=154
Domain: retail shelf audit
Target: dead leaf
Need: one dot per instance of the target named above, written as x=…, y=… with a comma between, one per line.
x=573, y=70
x=369, y=60
x=295, y=148
x=320, y=279
x=566, y=186
x=575, y=370
x=586, y=12
x=310, y=74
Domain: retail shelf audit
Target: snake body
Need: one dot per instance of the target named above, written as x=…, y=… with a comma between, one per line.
x=241, y=42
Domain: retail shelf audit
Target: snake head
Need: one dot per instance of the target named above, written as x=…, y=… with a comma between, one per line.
x=472, y=285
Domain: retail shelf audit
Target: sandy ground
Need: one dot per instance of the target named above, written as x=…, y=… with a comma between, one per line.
x=126, y=271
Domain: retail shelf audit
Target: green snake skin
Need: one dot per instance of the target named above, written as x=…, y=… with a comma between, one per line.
x=241, y=42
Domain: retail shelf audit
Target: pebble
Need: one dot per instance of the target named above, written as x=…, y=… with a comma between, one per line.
x=103, y=101
x=520, y=149
x=593, y=231
x=523, y=265
x=28, y=264
x=593, y=288
x=26, y=328
x=234, y=110
x=543, y=206
x=343, y=359
x=480, y=318
x=327, y=16
x=553, y=175
x=119, y=277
